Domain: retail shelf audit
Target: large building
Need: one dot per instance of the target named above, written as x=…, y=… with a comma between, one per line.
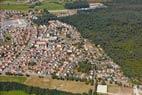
x=102, y=89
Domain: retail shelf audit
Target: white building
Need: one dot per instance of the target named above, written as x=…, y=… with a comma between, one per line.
x=102, y=89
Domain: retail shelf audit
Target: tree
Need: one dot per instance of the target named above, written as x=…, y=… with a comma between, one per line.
x=90, y=92
x=77, y=4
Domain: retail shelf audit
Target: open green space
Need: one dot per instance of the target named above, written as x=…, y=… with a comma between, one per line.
x=18, y=79
x=16, y=92
x=12, y=88
x=7, y=0
x=13, y=5
x=50, y=5
x=19, y=7
x=23, y=6
x=46, y=83
x=62, y=85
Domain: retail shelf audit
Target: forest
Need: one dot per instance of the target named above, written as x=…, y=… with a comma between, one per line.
x=84, y=66
x=77, y=4
x=128, y=1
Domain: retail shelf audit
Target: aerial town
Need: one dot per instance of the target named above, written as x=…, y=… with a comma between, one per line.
x=55, y=50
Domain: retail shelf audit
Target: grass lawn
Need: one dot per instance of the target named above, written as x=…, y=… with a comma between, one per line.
x=46, y=4
x=18, y=79
x=17, y=92
x=51, y=6
x=63, y=85
x=8, y=0
x=19, y=7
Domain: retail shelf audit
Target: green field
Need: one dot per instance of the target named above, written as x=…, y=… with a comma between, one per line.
x=13, y=5
x=14, y=93
x=50, y=6
x=19, y=7
x=7, y=0
x=18, y=79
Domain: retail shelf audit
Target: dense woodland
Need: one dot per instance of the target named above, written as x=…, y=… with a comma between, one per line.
x=128, y=1
x=77, y=4
x=10, y=86
x=84, y=66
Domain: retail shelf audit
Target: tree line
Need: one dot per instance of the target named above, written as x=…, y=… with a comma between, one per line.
x=10, y=86
x=77, y=4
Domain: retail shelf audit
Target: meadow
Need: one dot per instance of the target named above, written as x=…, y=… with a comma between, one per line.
x=19, y=79
x=62, y=85
x=48, y=83
x=16, y=92
x=23, y=6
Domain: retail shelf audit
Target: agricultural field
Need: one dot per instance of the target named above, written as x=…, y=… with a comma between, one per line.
x=7, y=0
x=51, y=5
x=18, y=79
x=14, y=93
x=119, y=90
x=62, y=85
x=13, y=5
x=24, y=6
x=18, y=7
